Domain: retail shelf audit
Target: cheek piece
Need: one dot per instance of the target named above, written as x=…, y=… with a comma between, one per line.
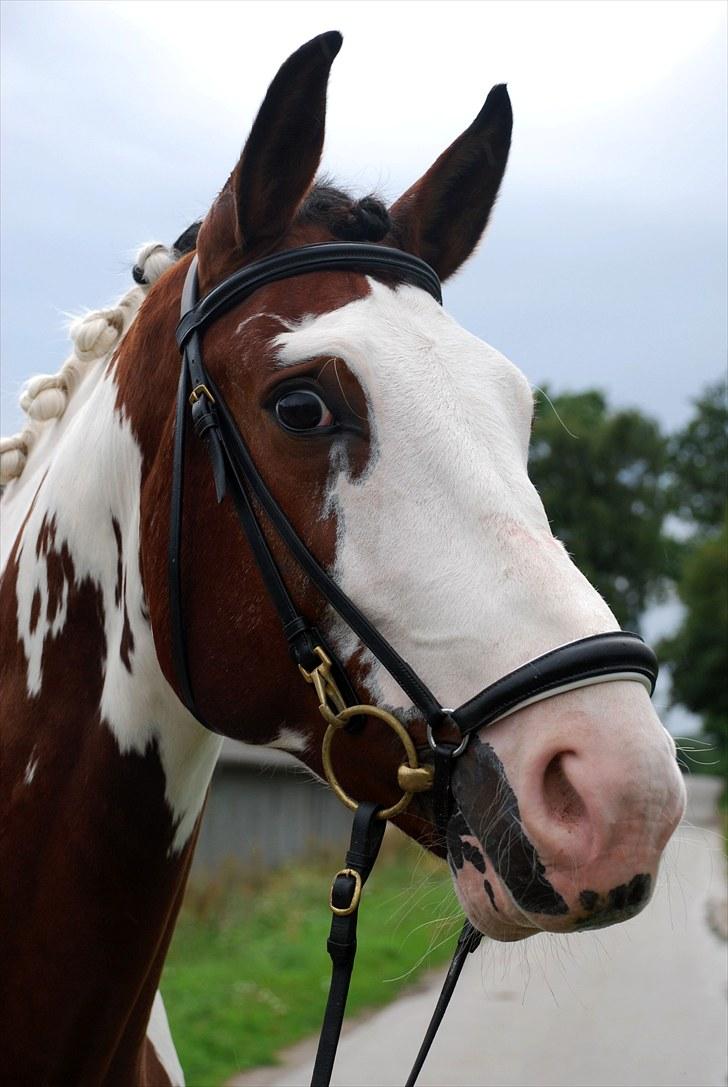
x=615, y=655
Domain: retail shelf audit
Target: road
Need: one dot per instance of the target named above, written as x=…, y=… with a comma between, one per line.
x=642, y=1004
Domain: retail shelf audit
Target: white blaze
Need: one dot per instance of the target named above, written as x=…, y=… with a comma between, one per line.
x=443, y=541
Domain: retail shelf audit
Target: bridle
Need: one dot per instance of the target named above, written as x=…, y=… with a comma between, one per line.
x=616, y=655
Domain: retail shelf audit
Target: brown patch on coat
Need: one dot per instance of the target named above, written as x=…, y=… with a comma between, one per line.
x=59, y=568
x=126, y=644
x=46, y=536
x=119, y=586
x=93, y=897
x=34, y=611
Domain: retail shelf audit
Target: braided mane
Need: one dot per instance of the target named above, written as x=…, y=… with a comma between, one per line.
x=95, y=336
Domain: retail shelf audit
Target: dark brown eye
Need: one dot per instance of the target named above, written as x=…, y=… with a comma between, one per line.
x=301, y=410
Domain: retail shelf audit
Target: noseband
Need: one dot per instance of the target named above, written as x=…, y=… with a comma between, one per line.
x=616, y=655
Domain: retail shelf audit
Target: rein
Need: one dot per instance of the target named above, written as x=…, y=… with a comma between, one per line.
x=616, y=655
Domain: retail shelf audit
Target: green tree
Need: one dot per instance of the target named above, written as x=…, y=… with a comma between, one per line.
x=600, y=475
x=698, y=462
x=698, y=651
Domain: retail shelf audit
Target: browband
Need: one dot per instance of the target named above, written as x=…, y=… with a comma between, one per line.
x=326, y=257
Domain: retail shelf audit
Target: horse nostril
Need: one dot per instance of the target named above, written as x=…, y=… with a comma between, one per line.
x=562, y=800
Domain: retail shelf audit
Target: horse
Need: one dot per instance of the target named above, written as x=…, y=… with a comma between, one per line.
x=397, y=444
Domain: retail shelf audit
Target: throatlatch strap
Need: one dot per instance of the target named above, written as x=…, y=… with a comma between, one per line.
x=468, y=940
x=366, y=838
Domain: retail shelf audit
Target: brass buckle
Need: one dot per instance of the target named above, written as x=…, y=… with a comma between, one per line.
x=198, y=391
x=345, y=911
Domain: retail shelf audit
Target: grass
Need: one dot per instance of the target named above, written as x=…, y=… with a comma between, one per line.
x=247, y=973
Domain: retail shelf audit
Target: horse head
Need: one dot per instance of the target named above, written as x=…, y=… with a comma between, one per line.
x=397, y=444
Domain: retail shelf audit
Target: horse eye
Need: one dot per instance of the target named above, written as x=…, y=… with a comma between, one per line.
x=301, y=410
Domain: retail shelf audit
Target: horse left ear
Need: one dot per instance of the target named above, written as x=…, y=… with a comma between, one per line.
x=442, y=216
x=280, y=157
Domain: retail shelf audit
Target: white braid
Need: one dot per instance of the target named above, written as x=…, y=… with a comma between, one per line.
x=44, y=397
x=152, y=260
x=14, y=453
x=95, y=336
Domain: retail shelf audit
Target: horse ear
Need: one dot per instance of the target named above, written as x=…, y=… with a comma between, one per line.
x=443, y=215
x=282, y=152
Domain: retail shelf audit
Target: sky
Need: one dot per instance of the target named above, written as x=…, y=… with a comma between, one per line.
x=605, y=261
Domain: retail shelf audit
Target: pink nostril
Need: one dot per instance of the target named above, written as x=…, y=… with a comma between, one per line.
x=562, y=801
x=558, y=811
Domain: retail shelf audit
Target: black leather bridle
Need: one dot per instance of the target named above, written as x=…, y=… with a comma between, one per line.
x=601, y=657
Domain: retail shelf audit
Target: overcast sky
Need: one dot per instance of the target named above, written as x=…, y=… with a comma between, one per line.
x=605, y=264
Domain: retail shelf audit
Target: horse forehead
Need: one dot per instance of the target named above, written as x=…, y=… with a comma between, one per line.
x=399, y=337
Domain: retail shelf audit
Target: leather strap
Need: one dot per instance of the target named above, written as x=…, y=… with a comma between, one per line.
x=468, y=941
x=617, y=654
x=174, y=556
x=366, y=838
x=326, y=257
x=302, y=638
x=442, y=797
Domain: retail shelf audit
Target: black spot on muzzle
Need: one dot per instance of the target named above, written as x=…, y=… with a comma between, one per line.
x=619, y=904
x=488, y=810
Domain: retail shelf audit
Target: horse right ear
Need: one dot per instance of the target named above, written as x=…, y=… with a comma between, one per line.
x=442, y=216
x=280, y=157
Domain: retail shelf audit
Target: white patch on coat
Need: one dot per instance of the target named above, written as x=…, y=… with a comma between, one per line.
x=443, y=540
x=285, y=321
x=94, y=477
x=160, y=1036
x=289, y=739
x=30, y=769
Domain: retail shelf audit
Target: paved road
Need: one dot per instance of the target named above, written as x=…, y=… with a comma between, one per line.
x=642, y=1004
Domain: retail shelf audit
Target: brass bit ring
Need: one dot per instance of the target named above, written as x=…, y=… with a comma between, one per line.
x=337, y=723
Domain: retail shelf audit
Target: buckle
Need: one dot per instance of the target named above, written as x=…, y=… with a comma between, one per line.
x=345, y=911
x=198, y=392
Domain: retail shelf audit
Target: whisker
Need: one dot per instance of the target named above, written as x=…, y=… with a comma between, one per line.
x=546, y=397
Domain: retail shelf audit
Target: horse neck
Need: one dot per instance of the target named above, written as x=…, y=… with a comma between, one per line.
x=105, y=772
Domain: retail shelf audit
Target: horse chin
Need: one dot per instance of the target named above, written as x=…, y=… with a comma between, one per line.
x=488, y=909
